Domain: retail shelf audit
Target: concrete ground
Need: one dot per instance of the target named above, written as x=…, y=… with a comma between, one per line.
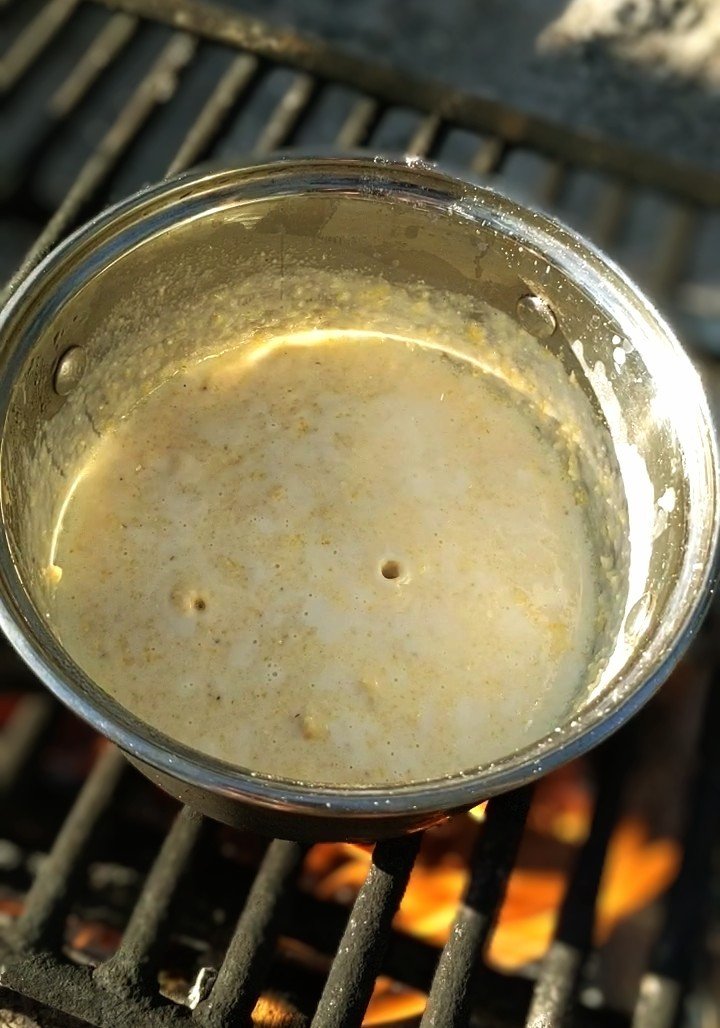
x=647, y=71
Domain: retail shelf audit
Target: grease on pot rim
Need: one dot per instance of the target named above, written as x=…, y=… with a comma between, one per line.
x=334, y=556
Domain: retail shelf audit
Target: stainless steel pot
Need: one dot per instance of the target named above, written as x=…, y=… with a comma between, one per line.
x=142, y=286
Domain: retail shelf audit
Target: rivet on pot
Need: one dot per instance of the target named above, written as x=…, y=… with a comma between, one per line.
x=69, y=369
x=536, y=315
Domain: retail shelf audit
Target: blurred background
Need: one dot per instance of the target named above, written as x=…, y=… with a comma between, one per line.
x=605, y=112
x=641, y=70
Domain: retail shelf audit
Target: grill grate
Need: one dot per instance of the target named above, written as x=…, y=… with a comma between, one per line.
x=97, y=98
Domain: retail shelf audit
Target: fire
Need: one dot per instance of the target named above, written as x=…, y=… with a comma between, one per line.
x=273, y=1012
x=637, y=869
x=391, y=1003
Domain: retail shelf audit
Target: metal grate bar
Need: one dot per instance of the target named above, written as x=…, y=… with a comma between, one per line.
x=244, y=968
x=489, y=157
x=43, y=918
x=450, y=996
x=51, y=119
x=156, y=87
x=107, y=45
x=238, y=78
x=21, y=736
x=554, y=992
x=134, y=965
x=31, y=42
x=362, y=947
x=673, y=958
x=428, y=137
x=561, y=968
x=552, y=185
x=288, y=114
x=360, y=123
x=658, y=1003
x=610, y=213
x=673, y=255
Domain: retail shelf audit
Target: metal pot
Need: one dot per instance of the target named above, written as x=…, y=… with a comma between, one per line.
x=141, y=287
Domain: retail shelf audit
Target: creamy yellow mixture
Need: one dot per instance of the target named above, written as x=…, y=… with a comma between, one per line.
x=337, y=558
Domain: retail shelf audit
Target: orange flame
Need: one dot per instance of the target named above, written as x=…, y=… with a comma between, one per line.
x=391, y=1003
x=637, y=869
x=273, y=1012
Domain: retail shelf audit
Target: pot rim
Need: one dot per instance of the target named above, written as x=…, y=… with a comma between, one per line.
x=583, y=264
